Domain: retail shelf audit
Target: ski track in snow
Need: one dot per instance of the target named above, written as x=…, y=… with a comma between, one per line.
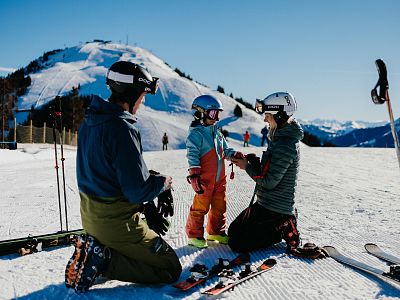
x=346, y=197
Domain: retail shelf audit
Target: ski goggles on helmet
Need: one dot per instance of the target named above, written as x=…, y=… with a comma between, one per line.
x=212, y=114
x=121, y=82
x=261, y=107
x=152, y=87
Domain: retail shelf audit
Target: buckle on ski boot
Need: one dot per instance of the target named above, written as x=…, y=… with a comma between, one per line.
x=89, y=260
x=289, y=232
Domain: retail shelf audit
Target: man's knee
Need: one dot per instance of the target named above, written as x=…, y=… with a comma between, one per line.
x=174, y=267
x=237, y=244
x=175, y=271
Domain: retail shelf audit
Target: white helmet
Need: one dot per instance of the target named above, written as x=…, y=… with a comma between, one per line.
x=277, y=102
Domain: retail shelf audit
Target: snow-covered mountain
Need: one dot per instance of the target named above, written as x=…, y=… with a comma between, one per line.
x=352, y=133
x=168, y=111
x=329, y=129
x=379, y=136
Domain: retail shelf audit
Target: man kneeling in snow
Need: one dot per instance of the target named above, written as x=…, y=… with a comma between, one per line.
x=116, y=187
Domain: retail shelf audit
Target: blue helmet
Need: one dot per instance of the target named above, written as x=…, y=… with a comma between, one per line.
x=204, y=106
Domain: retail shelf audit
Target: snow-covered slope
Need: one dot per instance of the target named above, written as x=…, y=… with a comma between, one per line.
x=167, y=111
x=338, y=200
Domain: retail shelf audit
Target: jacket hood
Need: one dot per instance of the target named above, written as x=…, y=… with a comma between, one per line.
x=292, y=129
x=101, y=111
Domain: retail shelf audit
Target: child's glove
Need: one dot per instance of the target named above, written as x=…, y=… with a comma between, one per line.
x=195, y=180
x=154, y=220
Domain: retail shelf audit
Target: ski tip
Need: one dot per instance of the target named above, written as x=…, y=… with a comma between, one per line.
x=270, y=262
x=328, y=247
x=330, y=250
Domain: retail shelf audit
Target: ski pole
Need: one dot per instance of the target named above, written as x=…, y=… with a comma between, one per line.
x=393, y=128
x=59, y=115
x=382, y=97
x=56, y=165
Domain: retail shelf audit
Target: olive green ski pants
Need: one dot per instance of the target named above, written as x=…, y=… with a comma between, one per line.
x=138, y=254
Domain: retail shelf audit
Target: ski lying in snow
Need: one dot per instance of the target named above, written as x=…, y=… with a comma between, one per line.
x=392, y=277
x=200, y=274
x=375, y=250
x=229, y=280
x=32, y=244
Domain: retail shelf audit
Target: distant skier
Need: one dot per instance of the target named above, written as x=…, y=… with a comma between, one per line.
x=246, y=138
x=272, y=217
x=206, y=151
x=115, y=187
x=165, y=141
x=264, y=132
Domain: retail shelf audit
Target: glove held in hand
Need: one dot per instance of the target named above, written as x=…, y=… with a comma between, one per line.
x=165, y=203
x=154, y=220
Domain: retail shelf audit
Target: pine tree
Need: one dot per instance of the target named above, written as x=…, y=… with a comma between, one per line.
x=238, y=111
x=220, y=89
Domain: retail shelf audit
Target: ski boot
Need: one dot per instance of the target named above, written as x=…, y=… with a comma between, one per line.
x=289, y=232
x=220, y=238
x=89, y=260
x=198, y=242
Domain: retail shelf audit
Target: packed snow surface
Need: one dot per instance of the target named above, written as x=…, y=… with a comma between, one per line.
x=346, y=197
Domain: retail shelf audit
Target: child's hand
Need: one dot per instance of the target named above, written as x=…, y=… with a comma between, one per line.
x=195, y=180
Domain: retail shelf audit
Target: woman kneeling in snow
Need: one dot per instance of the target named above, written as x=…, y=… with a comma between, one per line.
x=273, y=216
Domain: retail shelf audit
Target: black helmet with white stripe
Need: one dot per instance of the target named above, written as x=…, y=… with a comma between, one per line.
x=128, y=81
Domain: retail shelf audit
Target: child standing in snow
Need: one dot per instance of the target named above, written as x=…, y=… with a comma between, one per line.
x=206, y=151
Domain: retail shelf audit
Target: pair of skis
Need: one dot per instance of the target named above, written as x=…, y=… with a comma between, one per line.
x=391, y=277
x=200, y=273
x=33, y=244
x=223, y=269
x=228, y=279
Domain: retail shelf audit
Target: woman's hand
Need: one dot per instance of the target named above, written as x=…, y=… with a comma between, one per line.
x=240, y=162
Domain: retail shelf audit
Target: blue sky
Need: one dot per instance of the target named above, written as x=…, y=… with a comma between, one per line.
x=323, y=52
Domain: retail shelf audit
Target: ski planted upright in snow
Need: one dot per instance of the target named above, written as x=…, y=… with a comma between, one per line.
x=229, y=280
x=32, y=244
x=200, y=274
x=375, y=250
x=392, y=277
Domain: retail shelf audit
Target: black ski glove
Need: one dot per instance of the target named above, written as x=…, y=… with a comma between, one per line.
x=165, y=203
x=254, y=161
x=152, y=172
x=154, y=220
